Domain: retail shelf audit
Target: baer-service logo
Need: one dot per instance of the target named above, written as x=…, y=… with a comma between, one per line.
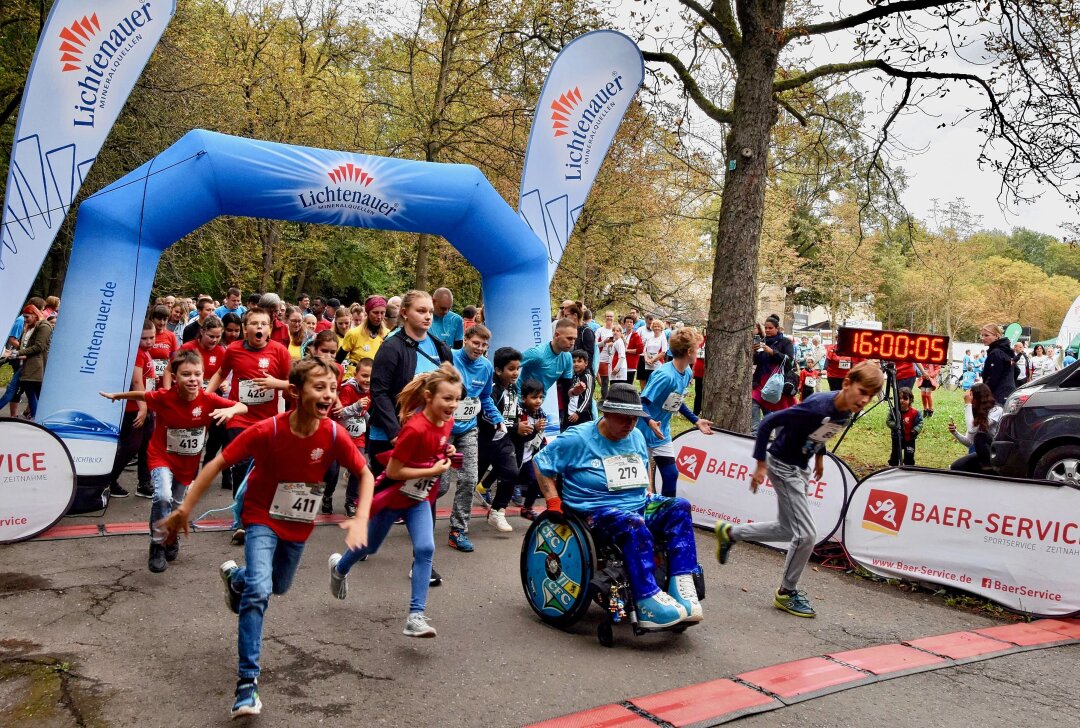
x=579, y=118
x=885, y=511
x=97, y=52
x=689, y=462
x=349, y=191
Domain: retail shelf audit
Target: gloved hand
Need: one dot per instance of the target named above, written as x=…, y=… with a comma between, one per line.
x=554, y=510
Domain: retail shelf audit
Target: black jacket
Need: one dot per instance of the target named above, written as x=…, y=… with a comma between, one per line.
x=765, y=363
x=999, y=371
x=395, y=362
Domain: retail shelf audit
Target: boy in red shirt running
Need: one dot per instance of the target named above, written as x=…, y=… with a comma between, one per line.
x=259, y=368
x=183, y=412
x=290, y=453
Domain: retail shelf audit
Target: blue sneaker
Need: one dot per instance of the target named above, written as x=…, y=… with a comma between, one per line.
x=460, y=541
x=794, y=603
x=659, y=611
x=724, y=541
x=247, y=699
x=519, y=497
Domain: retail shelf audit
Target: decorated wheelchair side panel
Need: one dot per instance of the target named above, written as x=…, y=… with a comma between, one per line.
x=557, y=564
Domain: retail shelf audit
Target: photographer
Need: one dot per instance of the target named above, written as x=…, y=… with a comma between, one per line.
x=772, y=352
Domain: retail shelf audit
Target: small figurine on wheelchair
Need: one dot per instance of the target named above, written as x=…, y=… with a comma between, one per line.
x=615, y=543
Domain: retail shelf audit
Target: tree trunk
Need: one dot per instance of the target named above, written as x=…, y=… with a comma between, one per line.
x=734, y=286
x=269, y=236
x=423, y=248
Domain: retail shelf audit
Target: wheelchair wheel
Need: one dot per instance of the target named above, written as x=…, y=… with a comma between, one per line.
x=558, y=561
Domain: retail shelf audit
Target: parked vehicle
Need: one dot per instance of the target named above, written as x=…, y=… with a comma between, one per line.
x=1039, y=436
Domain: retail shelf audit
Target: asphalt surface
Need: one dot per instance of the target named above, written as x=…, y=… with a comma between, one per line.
x=90, y=637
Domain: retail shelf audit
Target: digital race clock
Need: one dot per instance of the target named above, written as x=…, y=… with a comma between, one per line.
x=892, y=345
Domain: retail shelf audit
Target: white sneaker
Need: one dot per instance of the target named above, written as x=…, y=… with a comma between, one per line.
x=339, y=583
x=417, y=626
x=682, y=589
x=497, y=519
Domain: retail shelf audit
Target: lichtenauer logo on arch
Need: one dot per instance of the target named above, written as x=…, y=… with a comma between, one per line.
x=350, y=192
x=97, y=56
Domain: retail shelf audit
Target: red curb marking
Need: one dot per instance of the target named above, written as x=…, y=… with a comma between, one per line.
x=801, y=676
x=1023, y=634
x=1068, y=627
x=70, y=531
x=222, y=524
x=696, y=703
x=959, y=645
x=884, y=659
x=118, y=528
x=606, y=716
x=330, y=518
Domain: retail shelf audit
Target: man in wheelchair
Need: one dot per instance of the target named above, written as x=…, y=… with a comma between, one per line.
x=604, y=469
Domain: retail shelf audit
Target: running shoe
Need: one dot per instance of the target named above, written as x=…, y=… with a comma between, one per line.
x=682, y=589
x=247, y=699
x=659, y=611
x=339, y=583
x=519, y=498
x=528, y=514
x=327, y=507
x=232, y=597
x=723, y=541
x=417, y=625
x=350, y=510
x=794, y=603
x=482, y=495
x=144, y=490
x=460, y=540
x=118, y=491
x=156, y=562
x=496, y=518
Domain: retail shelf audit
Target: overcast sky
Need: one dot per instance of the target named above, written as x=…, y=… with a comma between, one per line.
x=944, y=163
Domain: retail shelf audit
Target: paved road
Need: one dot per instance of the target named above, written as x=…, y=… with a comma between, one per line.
x=90, y=637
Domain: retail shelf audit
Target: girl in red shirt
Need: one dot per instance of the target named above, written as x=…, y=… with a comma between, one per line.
x=183, y=412
x=290, y=453
x=420, y=456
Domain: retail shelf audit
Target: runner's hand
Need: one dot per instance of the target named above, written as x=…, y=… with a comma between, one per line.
x=112, y=397
x=441, y=466
x=573, y=417
x=704, y=426
x=819, y=469
x=758, y=477
x=221, y=416
x=173, y=524
x=655, y=427
x=356, y=531
x=140, y=416
x=577, y=388
x=523, y=428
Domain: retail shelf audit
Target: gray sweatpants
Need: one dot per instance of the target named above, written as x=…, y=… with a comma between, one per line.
x=795, y=522
x=465, y=479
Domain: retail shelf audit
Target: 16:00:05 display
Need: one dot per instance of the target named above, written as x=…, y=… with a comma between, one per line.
x=892, y=345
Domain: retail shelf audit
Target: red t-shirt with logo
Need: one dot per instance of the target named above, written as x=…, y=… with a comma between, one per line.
x=144, y=364
x=211, y=358
x=245, y=363
x=348, y=394
x=282, y=457
x=420, y=442
x=165, y=345
x=174, y=412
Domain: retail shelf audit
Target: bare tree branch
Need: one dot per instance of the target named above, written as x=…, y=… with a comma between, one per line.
x=721, y=116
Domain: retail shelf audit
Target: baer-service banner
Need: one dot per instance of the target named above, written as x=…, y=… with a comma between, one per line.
x=88, y=58
x=587, y=92
x=1015, y=542
x=714, y=475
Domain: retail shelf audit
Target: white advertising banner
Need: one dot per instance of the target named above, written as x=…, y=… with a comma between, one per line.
x=1014, y=542
x=1070, y=325
x=88, y=57
x=714, y=475
x=37, y=480
x=587, y=92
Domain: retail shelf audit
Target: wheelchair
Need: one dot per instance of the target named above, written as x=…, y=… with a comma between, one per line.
x=565, y=566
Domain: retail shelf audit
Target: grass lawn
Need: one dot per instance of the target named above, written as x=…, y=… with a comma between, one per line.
x=866, y=446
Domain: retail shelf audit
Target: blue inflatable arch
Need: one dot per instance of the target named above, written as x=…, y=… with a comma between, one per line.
x=121, y=232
